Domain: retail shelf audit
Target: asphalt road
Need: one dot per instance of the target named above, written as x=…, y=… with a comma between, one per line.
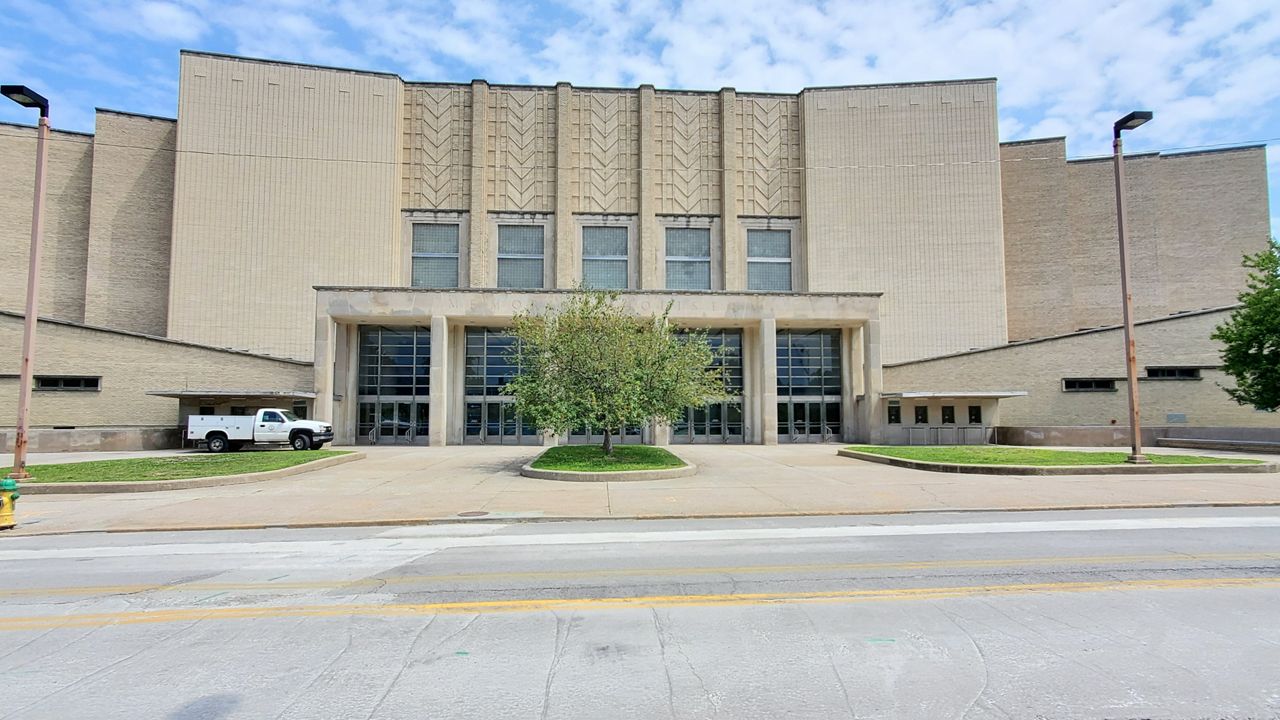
x=1127, y=614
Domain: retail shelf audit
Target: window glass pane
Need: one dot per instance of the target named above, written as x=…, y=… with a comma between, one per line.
x=689, y=242
x=435, y=238
x=769, y=243
x=922, y=415
x=688, y=275
x=605, y=274
x=604, y=242
x=519, y=273
x=435, y=272
x=770, y=276
x=520, y=240
x=975, y=414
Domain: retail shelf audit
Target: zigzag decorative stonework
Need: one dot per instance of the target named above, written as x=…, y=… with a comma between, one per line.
x=606, y=152
x=688, y=135
x=437, y=160
x=522, y=150
x=769, y=156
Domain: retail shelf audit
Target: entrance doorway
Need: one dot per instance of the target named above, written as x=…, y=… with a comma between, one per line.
x=394, y=384
x=809, y=386
x=713, y=423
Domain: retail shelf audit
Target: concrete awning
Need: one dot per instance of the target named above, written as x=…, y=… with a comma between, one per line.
x=975, y=394
x=234, y=394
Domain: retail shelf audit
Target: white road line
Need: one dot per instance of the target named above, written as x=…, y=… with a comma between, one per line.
x=409, y=547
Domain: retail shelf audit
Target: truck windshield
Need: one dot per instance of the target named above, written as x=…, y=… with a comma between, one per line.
x=289, y=416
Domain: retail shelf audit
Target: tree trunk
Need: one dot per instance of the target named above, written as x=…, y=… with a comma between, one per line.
x=608, y=443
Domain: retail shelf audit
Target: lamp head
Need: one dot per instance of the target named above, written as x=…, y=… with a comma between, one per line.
x=26, y=97
x=1132, y=120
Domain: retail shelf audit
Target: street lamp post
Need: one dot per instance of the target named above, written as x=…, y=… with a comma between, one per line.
x=1128, y=122
x=26, y=97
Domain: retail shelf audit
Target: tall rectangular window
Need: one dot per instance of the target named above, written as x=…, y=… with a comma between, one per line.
x=688, y=258
x=435, y=255
x=769, y=260
x=604, y=258
x=520, y=256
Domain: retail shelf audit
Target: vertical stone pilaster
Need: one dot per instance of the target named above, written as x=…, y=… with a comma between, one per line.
x=731, y=236
x=870, y=419
x=481, y=256
x=768, y=381
x=650, y=275
x=850, y=382
x=439, y=412
x=800, y=240
x=326, y=339
x=568, y=266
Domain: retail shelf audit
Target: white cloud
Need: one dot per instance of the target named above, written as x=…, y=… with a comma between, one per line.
x=168, y=21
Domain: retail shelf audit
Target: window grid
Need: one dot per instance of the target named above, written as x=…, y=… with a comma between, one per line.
x=604, y=257
x=1088, y=385
x=68, y=384
x=688, y=258
x=521, y=253
x=769, y=260
x=435, y=255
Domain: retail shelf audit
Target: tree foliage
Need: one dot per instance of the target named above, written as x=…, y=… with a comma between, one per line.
x=1252, y=335
x=589, y=363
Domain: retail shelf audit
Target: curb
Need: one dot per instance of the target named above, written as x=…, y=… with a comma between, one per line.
x=204, y=482
x=617, y=476
x=404, y=522
x=1060, y=469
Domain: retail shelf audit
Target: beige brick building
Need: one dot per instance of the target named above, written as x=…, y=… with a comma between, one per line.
x=815, y=234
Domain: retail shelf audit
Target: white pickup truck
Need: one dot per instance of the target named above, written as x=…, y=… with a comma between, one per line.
x=221, y=433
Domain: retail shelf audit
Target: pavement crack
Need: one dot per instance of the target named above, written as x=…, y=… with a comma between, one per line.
x=301, y=694
x=404, y=663
x=982, y=657
x=666, y=668
x=831, y=658
x=675, y=644
x=561, y=644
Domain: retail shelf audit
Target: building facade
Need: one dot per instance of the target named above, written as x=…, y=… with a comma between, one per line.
x=381, y=233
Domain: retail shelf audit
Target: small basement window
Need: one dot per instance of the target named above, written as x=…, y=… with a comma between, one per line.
x=1173, y=373
x=895, y=414
x=975, y=414
x=922, y=414
x=1088, y=385
x=74, y=384
x=948, y=414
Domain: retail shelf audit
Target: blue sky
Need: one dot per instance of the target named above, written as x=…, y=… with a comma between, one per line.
x=1209, y=69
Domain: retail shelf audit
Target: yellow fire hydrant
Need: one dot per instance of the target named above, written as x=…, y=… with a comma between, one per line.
x=8, y=496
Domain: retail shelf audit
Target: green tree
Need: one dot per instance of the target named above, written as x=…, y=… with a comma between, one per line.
x=1252, y=334
x=589, y=363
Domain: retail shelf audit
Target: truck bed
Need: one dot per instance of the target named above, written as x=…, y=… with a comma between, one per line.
x=237, y=427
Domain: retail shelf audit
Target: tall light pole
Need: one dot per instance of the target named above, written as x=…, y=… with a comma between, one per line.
x=1128, y=122
x=27, y=97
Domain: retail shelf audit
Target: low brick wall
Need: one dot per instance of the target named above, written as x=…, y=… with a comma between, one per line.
x=1118, y=435
x=95, y=439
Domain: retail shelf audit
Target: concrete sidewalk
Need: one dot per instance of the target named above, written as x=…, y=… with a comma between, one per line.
x=414, y=485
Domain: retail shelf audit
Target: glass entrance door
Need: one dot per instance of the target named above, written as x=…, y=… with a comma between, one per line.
x=394, y=385
x=713, y=423
x=495, y=422
x=805, y=421
x=809, y=386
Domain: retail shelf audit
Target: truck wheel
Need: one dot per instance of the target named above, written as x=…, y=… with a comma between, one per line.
x=301, y=441
x=217, y=443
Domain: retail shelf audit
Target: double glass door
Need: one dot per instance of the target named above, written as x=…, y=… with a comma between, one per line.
x=805, y=421
x=712, y=423
x=495, y=422
x=394, y=421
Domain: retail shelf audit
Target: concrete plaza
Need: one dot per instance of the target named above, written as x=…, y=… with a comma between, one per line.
x=400, y=484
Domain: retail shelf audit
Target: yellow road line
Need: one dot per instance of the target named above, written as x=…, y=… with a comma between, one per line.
x=379, y=583
x=486, y=607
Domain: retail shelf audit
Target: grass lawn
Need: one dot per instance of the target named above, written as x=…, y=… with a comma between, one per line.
x=995, y=455
x=591, y=458
x=174, y=467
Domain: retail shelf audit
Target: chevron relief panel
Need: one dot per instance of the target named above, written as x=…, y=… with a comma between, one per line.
x=769, y=157
x=521, y=152
x=437, y=153
x=606, y=151
x=688, y=135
